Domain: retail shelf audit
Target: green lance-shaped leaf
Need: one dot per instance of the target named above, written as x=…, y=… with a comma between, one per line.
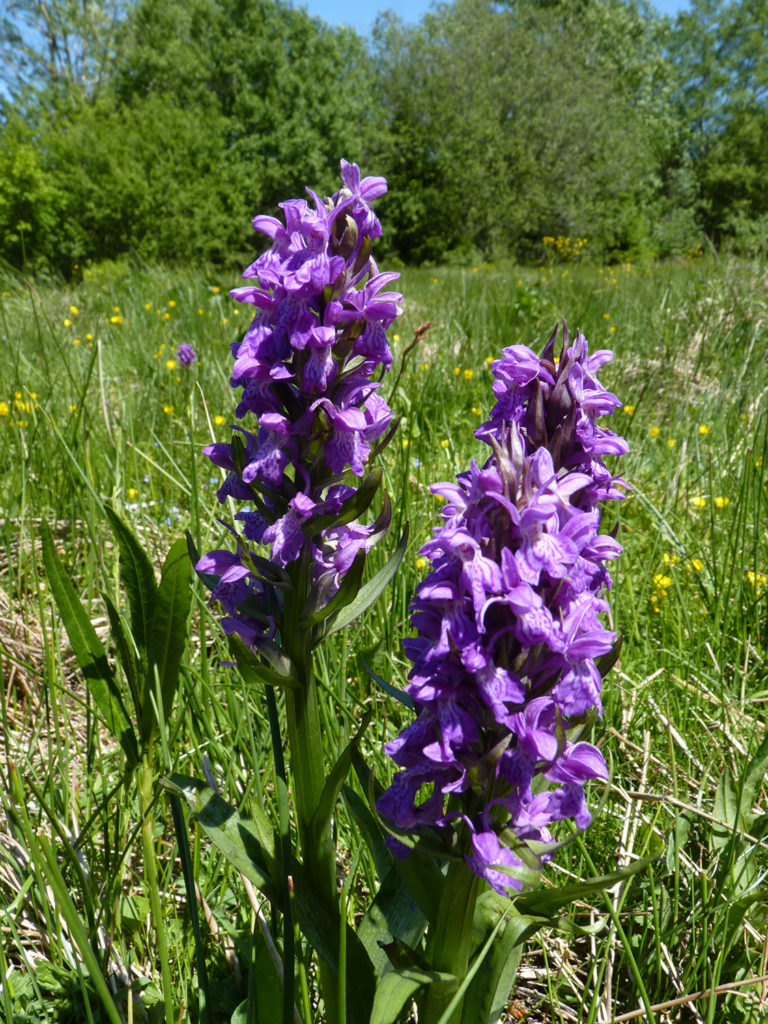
x=393, y=921
x=399, y=695
x=547, y=902
x=335, y=781
x=138, y=579
x=127, y=654
x=351, y=509
x=89, y=651
x=168, y=630
x=489, y=989
x=370, y=591
x=734, y=800
x=397, y=987
x=344, y=596
x=248, y=844
x=273, y=668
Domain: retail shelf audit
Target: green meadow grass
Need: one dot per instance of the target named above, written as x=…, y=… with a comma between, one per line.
x=92, y=411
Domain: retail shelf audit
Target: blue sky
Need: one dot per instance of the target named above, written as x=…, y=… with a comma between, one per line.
x=361, y=14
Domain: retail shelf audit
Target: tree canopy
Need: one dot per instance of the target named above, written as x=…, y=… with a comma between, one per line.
x=159, y=127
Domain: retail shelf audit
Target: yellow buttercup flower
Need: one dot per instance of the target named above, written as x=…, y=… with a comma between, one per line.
x=654, y=431
x=661, y=581
x=131, y=493
x=445, y=443
x=671, y=442
x=168, y=410
x=67, y=322
x=629, y=410
x=171, y=303
x=5, y=409
x=757, y=579
x=468, y=374
x=695, y=564
x=699, y=502
x=116, y=319
x=219, y=421
x=76, y=341
x=703, y=429
x=171, y=364
x=721, y=501
x=72, y=407
x=74, y=310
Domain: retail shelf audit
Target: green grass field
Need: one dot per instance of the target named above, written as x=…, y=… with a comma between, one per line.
x=94, y=408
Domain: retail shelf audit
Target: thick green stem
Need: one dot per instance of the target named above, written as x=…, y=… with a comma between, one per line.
x=449, y=939
x=150, y=874
x=308, y=766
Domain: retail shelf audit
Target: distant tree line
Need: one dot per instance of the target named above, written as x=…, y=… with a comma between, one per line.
x=158, y=128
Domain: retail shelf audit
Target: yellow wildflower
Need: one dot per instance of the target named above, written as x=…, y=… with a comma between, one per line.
x=116, y=319
x=171, y=303
x=76, y=341
x=219, y=421
x=469, y=374
x=661, y=581
x=722, y=502
x=67, y=322
x=168, y=410
x=703, y=429
x=671, y=442
x=171, y=364
x=74, y=310
x=699, y=502
x=654, y=431
x=5, y=409
x=757, y=579
x=695, y=564
x=629, y=410
x=131, y=493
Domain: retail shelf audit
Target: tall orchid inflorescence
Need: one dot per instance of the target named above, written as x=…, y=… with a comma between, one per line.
x=507, y=622
x=309, y=367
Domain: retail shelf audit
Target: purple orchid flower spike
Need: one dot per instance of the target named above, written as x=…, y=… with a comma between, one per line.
x=308, y=369
x=509, y=622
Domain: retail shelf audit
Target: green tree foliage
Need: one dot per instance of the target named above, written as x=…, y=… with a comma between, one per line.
x=158, y=127
x=215, y=108
x=722, y=97
x=523, y=119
